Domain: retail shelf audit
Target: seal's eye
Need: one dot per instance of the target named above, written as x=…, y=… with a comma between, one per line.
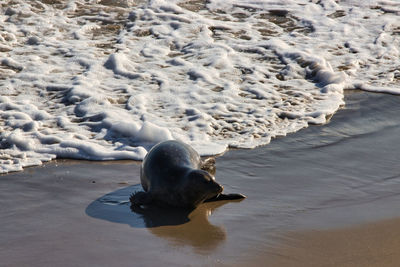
x=208, y=179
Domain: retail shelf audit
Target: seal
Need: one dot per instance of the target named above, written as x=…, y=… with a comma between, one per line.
x=172, y=174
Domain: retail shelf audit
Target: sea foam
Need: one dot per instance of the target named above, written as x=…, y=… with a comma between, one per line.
x=106, y=80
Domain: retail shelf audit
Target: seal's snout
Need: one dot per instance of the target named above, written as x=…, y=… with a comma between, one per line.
x=218, y=188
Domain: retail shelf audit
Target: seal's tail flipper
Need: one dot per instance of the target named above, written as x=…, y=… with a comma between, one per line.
x=208, y=165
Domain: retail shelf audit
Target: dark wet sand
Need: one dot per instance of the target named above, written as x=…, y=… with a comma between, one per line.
x=325, y=196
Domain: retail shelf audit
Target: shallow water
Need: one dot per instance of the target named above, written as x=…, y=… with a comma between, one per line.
x=341, y=168
x=105, y=80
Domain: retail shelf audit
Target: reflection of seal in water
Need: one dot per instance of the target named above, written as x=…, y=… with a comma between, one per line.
x=186, y=227
x=172, y=175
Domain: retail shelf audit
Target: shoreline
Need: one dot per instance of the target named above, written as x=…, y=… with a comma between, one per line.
x=323, y=182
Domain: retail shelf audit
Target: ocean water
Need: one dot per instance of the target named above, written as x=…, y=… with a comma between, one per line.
x=108, y=79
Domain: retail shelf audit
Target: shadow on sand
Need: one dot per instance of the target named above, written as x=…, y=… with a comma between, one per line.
x=182, y=227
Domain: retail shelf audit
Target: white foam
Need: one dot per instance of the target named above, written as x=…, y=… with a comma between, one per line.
x=111, y=82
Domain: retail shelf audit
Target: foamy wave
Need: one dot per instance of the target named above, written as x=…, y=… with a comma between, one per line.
x=100, y=81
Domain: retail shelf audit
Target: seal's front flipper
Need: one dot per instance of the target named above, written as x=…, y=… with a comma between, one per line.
x=230, y=196
x=226, y=197
x=140, y=198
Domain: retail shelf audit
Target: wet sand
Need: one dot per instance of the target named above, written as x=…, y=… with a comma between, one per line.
x=325, y=196
x=373, y=244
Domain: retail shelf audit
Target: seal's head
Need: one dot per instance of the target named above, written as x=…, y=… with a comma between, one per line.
x=199, y=186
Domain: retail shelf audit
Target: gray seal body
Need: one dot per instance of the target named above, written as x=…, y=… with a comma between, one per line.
x=172, y=174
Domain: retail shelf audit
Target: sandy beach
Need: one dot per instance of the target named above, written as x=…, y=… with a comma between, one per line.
x=324, y=196
x=373, y=244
